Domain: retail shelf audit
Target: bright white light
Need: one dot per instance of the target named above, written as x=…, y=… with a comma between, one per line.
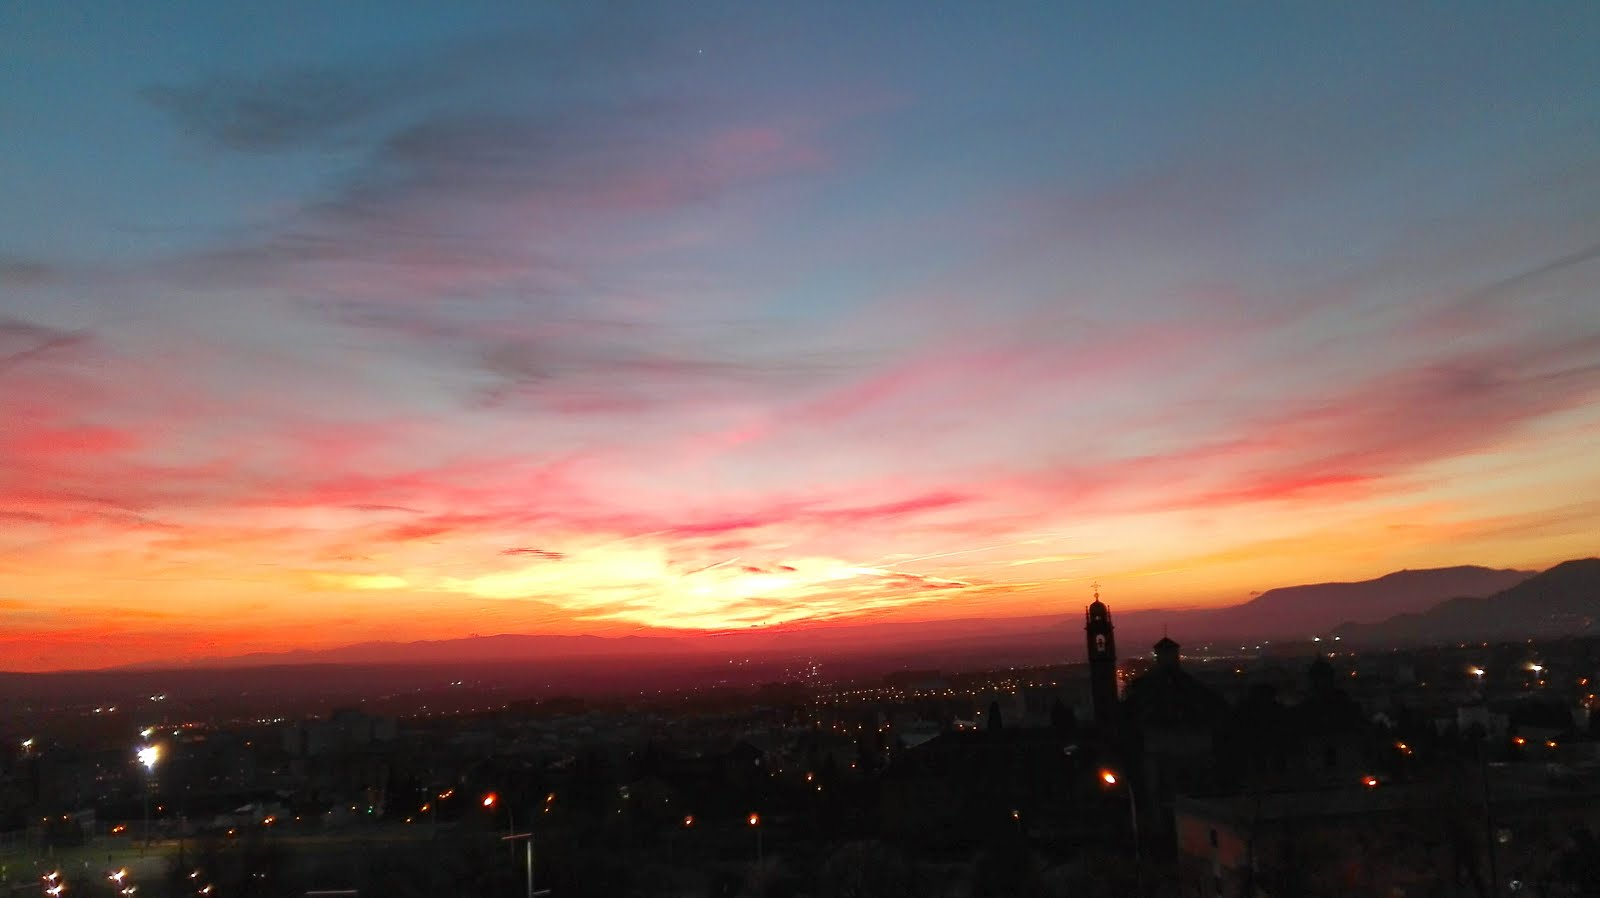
x=149, y=755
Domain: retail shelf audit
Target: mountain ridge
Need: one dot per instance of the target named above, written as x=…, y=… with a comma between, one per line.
x=1291, y=611
x=1563, y=600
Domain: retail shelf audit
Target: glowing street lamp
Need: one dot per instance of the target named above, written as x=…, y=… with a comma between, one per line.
x=755, y=823
x=1111, y=778
x=149, y=756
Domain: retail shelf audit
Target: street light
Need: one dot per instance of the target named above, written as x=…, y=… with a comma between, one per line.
x=149, y=756
x=527, y=844
x=1110, y=778
x=755, y=823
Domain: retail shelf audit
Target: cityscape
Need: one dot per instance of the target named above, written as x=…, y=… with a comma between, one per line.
x=833, y=450
x=1289, y=767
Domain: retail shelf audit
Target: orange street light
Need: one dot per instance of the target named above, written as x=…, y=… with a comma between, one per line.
x=1371, y=782
x=1110, y=778
x=688, y=821
x=490, y=799
x=755, y=823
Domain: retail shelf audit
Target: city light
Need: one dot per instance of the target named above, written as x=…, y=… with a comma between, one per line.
x=149, y=755
x=490, y=799
x=688, y=821
x=1371, y=782
x=1108, y=777
x=755, y=820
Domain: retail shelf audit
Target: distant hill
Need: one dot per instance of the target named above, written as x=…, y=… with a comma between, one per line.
x=504, y=648
x=1562, y=601
x=1305, y=611
x=1287, y=612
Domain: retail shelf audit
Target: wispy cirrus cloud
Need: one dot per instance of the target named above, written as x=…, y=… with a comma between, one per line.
x=286, y=112
x=615, y=318
x=22, y=340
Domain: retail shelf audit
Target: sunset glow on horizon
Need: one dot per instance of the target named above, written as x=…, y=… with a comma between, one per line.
x=433, y=322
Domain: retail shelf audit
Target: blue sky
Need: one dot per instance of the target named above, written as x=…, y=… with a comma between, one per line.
x=339, y=305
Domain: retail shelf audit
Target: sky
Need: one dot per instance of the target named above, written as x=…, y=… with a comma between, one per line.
x=324, y=323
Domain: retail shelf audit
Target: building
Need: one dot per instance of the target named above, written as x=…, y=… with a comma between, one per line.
x=1100, y=637
x=1400, y=840
x=1172, y=721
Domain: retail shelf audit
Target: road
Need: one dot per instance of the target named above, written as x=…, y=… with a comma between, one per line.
x=22, y=865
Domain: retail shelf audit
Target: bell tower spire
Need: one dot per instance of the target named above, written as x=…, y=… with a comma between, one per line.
x=1100, y=636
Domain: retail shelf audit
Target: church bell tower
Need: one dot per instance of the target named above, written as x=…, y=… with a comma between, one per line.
x=1102, y=645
